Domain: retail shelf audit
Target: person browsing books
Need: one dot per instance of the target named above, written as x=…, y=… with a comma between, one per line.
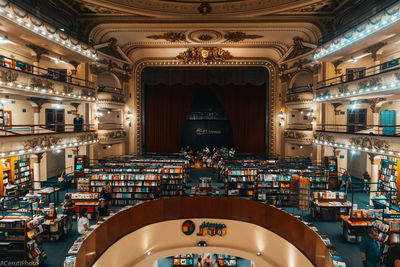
x=102, y=210
x=83, y=221
x=369, y=249
x=106, y=194
x=68, y=209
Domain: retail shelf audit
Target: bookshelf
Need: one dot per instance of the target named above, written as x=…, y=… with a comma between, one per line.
x=318, y=178
x=172, y=181
x=7, y=170
x=22, y=174
x=20, y=239
x=81, y=180
x=241, y=182
x=333, y=176
x=226, y=260
x=183, y=260
x=85, y=200
x=389, y=178
x=273, y=186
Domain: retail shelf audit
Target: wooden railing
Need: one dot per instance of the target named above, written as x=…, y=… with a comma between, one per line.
x=130, y=220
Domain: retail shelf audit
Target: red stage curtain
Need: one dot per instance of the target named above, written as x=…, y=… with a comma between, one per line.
x=245, y=106
x=166, y=110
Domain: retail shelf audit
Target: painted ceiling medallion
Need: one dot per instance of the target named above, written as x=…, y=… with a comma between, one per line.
x=240, y=36
x=204, y=55
x=169, y=36
x=205, y=36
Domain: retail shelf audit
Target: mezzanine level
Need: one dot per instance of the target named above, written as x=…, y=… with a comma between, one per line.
x=376, y=81
x=20, y=78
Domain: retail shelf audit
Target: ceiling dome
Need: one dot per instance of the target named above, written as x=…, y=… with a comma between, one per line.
x=211, y=8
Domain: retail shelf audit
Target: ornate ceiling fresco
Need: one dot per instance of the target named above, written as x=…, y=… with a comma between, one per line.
x=211, y=8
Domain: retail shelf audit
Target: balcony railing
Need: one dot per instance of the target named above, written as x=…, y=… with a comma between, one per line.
x=41, y=129
x=53, y=74
x=110, y=126
x=110, y=89
x=300, y=126
x=358, y=75
x=386, y=130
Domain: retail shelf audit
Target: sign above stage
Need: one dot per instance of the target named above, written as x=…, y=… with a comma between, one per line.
x=205, y=131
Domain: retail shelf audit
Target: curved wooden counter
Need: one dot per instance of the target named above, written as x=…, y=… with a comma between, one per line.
x=250, y=211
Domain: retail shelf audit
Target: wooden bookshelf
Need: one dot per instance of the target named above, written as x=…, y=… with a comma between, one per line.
x=23, y=174
x=389, y=178
x=183, y=260
x=172, y=181
x=241, y=182
x=19, y=239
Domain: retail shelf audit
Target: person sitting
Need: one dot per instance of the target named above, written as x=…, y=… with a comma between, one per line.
x=379, y=201
x=32, y=196
x=83, y=221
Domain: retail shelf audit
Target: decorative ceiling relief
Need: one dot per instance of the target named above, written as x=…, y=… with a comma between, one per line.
x=204, y=36
x=318, y=7
x=170, y=37
x=204, y=55
x=239, y=36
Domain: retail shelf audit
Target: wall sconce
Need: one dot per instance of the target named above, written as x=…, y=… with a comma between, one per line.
x=129, y=116
x=281, y=118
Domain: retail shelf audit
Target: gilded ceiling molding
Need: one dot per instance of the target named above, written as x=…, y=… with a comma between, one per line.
x=169, y=36
x=240, y=36
x=171, y=62
x=276, y=46
x=204, y=55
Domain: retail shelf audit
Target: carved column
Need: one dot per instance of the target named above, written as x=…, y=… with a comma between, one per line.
x=375, y=112
x=374, y=173
x=36, y=109
x=39, y=51
x=35, y=160
x=374, y=53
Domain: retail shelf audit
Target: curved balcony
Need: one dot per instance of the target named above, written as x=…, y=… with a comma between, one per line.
x=28, y=139
x=299, y=134
x=254, y=230
x=108, y=95
x=299, y=98
x=17, y=77
x=376, y=81
x=368, y=138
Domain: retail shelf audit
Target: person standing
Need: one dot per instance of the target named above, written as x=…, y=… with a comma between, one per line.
x=76, y=123
x=106, y=194
x=369, y=249
x=68, y=208
x=81, y=123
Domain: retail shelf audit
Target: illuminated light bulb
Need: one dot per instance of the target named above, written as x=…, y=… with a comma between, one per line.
x=347, y=146
x=373, y=150
x=342, y=94
x=36, y=89
x=366, y=149
x=28, y=87
x=375, y=88
x=57, y=92
x=19, y=20
x=52, y=147
x=391, y=152
x=30, y=150
x=10, y=15
x=10, y=84
x=19, y=85
x=381, y=151
x=392, y=85
x=21, y=151
x=44, y=32
x=38, y=149
x=12, y=153
x=44, y=90
x=383, y=87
